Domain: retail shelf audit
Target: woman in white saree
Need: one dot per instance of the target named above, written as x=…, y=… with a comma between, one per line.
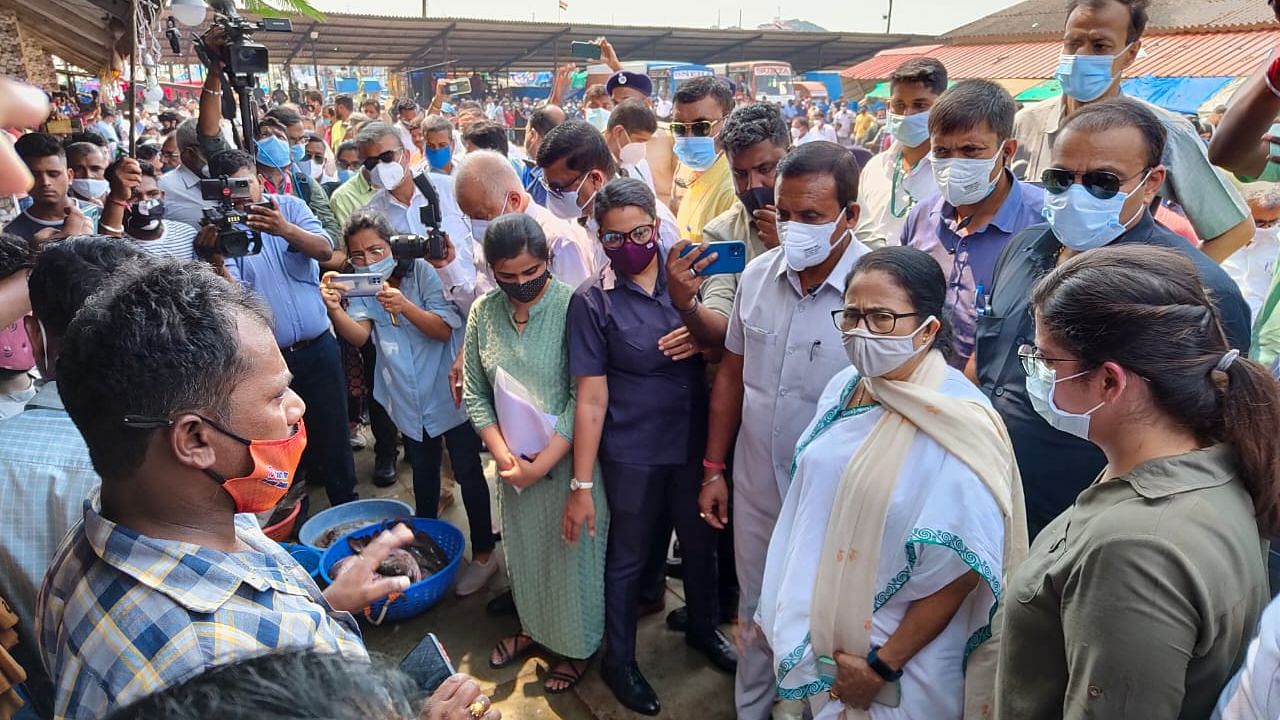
x=904, y=516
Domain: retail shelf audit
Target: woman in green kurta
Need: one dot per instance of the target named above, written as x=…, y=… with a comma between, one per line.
x=558, y=582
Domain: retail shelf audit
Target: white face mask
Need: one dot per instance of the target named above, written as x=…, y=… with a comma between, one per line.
x=1041, y=387
x=387, y=176
x=965, y=181
x=808, y=245
x=90, y=188
x=796, y=133
x=565, y=205
x=632, y=153
x=876, y=355
x=479, y=226
x=315, y=169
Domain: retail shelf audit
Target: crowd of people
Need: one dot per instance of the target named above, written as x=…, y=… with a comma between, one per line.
x=986, y=424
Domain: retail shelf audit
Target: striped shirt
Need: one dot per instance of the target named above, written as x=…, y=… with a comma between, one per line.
x=123, y=615
x=177, y=242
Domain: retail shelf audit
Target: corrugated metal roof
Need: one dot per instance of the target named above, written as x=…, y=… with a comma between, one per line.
x=1047, y=17
x=1219, y=54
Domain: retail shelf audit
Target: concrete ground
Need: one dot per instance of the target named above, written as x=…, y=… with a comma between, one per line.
x=686, y=684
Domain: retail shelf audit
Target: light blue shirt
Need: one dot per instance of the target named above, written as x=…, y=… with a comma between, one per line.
x=45, y=476
x=286, y=278
x=412, y=369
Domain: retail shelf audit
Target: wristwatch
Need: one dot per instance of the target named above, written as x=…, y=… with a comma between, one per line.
x=883, y=670
x=576, y=484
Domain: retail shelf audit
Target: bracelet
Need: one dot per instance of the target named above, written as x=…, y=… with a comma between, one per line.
x=691, y=310
x=713, y=465
x=108, y=228
x=211, y=92
x=121, y=203
x=1272, y=69
x=713, y=479
x=881, y=668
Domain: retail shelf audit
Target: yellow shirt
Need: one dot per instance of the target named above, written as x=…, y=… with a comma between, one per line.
x=861, y=123
x=337, y=133
x=709, y=194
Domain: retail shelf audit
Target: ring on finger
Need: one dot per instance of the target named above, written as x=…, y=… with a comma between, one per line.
x=479, y=707
x=693, y=273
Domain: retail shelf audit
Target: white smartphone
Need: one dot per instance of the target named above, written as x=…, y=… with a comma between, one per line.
x=356, y=284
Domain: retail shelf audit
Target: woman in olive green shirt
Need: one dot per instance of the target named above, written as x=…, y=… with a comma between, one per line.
x=1139, y=601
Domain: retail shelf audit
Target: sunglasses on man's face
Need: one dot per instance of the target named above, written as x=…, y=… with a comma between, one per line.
x=389, y=156
x=698, y=128
x=1101, y=184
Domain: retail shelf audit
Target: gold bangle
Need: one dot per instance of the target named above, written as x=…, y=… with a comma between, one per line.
x=711, y=480
x=211, y=92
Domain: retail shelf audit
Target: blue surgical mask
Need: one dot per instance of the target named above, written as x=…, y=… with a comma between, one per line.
x=598, y=118
x=910, y=130
x=381, y=268
x=696, y=153
x=1081, y=221
x=440, y=157
x=298, y=152
x=345, y=175
x=274, y=152
x=1085, y=77
x=1041, y=387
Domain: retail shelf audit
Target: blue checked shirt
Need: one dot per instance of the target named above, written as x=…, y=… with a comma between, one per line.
x=122, y=615
x=45, y=476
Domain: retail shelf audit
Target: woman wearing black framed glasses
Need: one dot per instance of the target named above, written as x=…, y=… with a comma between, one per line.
x=643, y=411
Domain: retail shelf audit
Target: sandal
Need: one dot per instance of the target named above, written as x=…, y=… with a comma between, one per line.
x=557, y=673
x=511, y=649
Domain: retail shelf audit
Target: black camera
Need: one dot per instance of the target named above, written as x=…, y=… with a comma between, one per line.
x=412, y=247
x=234, y=239
x=242, y=57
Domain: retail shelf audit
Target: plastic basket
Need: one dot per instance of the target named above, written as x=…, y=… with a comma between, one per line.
x=418, y=597
x=308, y=557
x=369, y=511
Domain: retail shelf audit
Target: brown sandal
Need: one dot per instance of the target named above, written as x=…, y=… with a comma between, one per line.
x=576, y=669
x=511, y=649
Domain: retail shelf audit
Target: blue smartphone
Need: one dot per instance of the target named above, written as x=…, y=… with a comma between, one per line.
x=731, y=256
x=428, y=664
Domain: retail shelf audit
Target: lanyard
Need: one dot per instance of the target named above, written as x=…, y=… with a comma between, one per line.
x=893, y=191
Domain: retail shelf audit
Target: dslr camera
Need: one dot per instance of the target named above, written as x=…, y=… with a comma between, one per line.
x=234, y=239
x=430, y=246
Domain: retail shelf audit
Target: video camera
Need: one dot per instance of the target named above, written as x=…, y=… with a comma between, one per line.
x=234, y=239
x=242, y=57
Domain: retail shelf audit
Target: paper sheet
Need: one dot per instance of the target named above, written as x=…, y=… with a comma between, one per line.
x=526, y=429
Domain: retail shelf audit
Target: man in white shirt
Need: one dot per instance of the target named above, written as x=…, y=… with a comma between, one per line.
x=1253, y=266
x=843, y=120
x=631, y=125
x=182, y=186
x=893, y=182
x=146, y=225
x=406, y=111
x=401, y=202
x=487, y=186
x=803, y=132
x=780, y=351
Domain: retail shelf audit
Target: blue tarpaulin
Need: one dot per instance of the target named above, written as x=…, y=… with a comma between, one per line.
x=1179, y=94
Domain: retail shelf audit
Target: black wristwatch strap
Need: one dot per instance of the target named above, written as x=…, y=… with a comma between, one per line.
x=881, y=669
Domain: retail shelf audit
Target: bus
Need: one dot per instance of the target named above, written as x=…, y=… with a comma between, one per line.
x=759, y=79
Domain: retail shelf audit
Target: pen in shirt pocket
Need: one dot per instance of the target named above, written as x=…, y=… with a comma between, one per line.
x=980, y=300
x=813, y=347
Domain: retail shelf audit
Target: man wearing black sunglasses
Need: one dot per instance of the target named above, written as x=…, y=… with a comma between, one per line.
x=1101, y=40
x=701, y=106
x=1105, y=172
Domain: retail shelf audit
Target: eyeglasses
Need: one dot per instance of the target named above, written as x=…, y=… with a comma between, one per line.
x=1033, y=361
x=1101, y=184
x=1265, y=224
x=878, y=322
x=389, y=156
x=560, y=190
x=640, y=235
x=167, y=155
x=318, y=157
x=698, y=128
x=377, y=253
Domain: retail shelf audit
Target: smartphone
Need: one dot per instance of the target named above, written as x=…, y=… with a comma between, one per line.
x=356, y=284
x=731, y=256
x=584, y=50
x=428, y=664
x=461, y=86
x=890, y=695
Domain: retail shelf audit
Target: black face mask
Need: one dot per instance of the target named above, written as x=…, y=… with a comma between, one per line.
x=756, y=198
x=525, y=292
x=144, y=216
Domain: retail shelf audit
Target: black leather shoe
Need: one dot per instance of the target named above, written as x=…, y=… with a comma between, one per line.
x=631, y=689
x=716, y=647
x=678, y=619
x=504, y=604
x=384, y=471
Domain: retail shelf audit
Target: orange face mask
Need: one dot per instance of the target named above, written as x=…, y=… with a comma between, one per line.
x=274, y=464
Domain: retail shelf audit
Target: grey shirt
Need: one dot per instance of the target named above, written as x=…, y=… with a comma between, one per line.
x=1140, y=600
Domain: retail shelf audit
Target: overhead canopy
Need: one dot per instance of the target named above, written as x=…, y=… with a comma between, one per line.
x=1180, y=94
x=1040, y=91
x=78, y=31
x=489, y=45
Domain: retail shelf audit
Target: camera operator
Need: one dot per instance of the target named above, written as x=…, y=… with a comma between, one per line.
x=286, y=275
x=281, y=148
x=397, y=194
x=416, y=331
x=140, y=215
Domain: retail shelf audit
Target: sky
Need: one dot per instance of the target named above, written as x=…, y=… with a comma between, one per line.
x=927, y=17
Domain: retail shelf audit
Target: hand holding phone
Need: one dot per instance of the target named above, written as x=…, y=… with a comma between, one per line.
x=731, y=256
x=584, y=50
x=428, y=664
x=355, y=284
